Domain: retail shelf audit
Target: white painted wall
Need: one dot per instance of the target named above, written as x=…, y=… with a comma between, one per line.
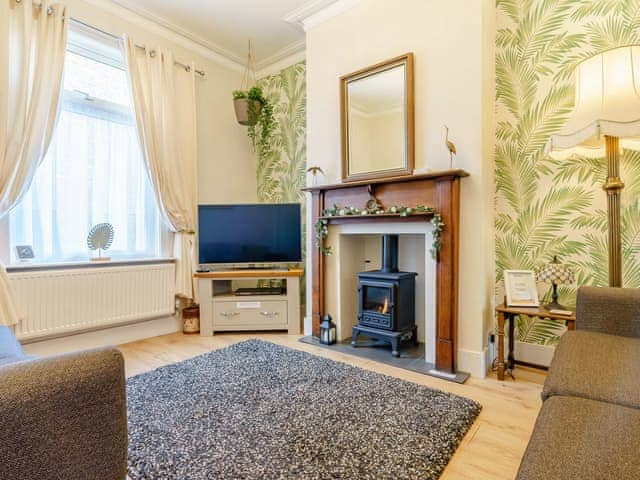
x=453, y=46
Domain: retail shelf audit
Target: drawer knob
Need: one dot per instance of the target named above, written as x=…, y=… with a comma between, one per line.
x=229, y=314
x=269, y=314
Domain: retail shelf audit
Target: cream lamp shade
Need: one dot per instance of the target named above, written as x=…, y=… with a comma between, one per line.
x=607, y=102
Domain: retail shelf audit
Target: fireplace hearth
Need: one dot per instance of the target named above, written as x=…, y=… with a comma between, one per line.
x=386, y=302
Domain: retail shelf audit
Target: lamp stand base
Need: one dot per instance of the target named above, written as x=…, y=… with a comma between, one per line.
x=555, y=306
x=613, y=186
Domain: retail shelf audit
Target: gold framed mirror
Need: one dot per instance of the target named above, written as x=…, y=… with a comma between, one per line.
x=377, y=120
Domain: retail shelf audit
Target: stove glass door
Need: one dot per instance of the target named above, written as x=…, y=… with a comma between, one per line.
x=376, y=299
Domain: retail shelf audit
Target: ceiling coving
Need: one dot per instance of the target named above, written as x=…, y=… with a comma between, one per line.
x=224, y=26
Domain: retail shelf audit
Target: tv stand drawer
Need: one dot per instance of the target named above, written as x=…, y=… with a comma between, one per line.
x=250, y=315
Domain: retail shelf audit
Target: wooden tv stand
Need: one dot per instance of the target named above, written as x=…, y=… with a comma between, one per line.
x=223, y=311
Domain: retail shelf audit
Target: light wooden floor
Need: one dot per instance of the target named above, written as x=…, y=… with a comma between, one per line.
x=491, y=449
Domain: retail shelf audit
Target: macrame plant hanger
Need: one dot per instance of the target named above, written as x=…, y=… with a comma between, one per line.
x=249, y=71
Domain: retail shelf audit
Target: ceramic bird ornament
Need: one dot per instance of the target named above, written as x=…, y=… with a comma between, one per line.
x=450, y=146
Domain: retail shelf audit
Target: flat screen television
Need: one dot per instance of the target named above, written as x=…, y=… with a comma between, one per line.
x=260, y=233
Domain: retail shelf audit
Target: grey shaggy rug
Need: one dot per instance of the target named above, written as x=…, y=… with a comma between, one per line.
x=256, y=410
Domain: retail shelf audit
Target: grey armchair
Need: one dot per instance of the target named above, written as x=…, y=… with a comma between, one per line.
x=64, y=418
x=601, y=359
x=589, y=424
x=614, y=311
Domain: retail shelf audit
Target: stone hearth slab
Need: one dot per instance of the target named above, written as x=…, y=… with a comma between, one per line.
x=411, y=357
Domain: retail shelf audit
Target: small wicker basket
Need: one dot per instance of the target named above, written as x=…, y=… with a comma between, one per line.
x=191, y=319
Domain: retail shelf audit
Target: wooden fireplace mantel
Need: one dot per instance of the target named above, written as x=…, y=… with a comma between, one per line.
x=440, y=190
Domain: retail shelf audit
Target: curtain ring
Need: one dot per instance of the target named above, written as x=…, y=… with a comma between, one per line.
x=152, y=53
x=187, y=68
x=50, y=10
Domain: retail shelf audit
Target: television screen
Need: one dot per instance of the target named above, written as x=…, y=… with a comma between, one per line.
x=261, y=233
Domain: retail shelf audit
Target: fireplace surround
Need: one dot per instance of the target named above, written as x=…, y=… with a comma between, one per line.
x=440, y=190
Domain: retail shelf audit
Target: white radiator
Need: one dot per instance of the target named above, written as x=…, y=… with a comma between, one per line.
x=59, y=302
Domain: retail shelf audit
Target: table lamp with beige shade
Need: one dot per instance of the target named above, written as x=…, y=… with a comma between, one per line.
x=605, y=118
x=555, y=273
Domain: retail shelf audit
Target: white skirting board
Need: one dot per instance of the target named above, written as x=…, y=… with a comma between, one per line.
x=474, y=362
x=110, y=336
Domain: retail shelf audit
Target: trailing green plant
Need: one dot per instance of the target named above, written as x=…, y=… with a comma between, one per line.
x=322, y=225
x=262, y=121
x=322, y=231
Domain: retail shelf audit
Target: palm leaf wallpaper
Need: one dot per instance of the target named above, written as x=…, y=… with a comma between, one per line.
x=546, y=207
x=281, y=174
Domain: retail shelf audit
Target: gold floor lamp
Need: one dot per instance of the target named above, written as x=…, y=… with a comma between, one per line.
x=606, y=117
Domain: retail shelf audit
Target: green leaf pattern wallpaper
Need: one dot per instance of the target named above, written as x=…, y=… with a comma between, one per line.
x=546, y=207
x=281, y=172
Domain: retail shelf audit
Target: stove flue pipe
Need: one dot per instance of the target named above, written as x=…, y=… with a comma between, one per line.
x=389, y=253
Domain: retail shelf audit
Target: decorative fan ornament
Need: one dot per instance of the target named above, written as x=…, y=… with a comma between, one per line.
x=100, y=238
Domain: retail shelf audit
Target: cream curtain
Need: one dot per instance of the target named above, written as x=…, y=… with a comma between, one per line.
x=33, y=39
x=164, y=104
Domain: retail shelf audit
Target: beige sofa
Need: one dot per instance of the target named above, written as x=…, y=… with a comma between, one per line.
x=63, y=417
x=589, y=424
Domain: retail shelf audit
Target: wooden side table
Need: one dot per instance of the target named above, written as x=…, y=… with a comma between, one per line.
x=508, y=314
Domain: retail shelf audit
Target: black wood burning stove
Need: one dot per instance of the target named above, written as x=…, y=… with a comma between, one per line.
x=386, y=301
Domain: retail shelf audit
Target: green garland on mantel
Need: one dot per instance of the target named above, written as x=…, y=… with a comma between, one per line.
x=322, y=225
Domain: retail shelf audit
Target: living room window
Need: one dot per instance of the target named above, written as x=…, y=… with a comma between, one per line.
x=94, y=170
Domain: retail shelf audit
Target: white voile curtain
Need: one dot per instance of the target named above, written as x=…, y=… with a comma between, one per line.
x=165, y=109
x=92, y=172
x=33, y=38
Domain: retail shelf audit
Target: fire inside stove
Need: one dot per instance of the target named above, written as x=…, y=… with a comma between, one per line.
x=376, y=300
x=385, y=306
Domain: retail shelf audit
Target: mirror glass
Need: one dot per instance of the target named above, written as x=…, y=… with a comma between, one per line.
x=376, y=124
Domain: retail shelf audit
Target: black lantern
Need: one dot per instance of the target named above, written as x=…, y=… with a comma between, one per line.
x=327, y=331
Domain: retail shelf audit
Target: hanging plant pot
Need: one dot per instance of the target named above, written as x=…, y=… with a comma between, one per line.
x=247, y=111
x=254, y=110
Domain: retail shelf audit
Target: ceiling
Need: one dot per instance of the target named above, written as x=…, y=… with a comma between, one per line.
x=225, y=26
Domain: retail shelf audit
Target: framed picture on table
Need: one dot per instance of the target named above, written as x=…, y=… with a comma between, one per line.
x=520, y=288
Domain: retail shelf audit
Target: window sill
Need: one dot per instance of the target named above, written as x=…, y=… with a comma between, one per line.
x=118, y=262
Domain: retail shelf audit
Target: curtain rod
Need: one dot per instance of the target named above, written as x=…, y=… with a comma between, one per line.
x=50, y=9
x=142, y=47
